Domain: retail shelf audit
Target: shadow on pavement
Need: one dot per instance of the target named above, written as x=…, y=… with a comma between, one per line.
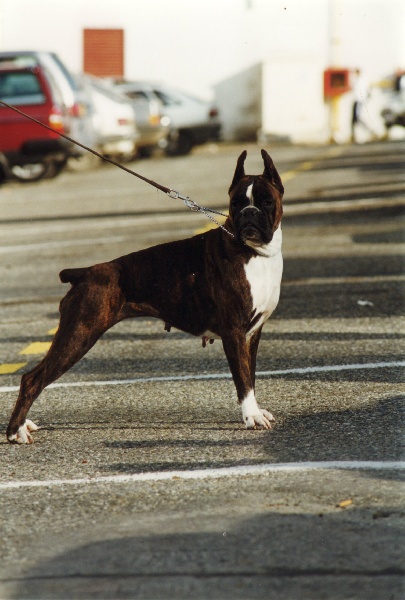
x=267, y=556
x=372, y=433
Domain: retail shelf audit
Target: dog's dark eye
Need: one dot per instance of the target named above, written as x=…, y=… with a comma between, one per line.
x=268, y=202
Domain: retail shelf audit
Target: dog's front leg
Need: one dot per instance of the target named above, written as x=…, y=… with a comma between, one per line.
x=241, y=355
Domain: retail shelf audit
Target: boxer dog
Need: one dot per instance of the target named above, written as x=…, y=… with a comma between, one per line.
x=213, y=285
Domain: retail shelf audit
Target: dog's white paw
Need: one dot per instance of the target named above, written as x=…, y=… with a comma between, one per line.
x=23, y=435
x=253, y=416
x=259, y=420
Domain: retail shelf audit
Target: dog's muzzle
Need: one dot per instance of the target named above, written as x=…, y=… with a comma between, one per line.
x=252, y=225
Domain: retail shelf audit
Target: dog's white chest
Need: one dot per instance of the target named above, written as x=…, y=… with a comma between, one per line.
x=264, y=276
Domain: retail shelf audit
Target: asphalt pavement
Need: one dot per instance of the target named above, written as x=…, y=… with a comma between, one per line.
x=142, y=481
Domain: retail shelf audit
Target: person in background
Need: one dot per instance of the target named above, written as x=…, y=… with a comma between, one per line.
x=399, y=80
x=361, y=93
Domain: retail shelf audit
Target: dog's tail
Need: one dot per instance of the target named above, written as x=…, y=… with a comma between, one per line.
x=73, y=276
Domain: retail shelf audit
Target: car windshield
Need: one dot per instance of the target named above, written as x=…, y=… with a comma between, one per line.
x=20, y=88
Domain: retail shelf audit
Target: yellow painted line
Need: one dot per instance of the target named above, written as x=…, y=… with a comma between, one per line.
x=304, y=166
x=210, y=225
x=11, y=368
x=289, y=175
x=307, y=165
x=36, y=348
x=204, y=229
x=334, y=151
x=33, y=348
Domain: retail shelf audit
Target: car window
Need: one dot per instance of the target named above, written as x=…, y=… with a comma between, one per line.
x=52, y=59
x=135, y=94
x=21, y=88
x=111, y=94
x=166, y=99
x=18, y=61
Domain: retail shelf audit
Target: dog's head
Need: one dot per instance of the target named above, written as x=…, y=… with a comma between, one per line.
x=255, y=207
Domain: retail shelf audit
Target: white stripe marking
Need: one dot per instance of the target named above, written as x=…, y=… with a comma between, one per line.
x=207, y=376
x=249, y=194
x=238, y=471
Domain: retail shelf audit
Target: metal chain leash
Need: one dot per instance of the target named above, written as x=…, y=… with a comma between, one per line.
x=193, y=206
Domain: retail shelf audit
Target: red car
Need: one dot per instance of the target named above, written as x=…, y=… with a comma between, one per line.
x=27, y=150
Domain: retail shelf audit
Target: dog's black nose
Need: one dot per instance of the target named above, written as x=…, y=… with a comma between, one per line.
x=249, y=212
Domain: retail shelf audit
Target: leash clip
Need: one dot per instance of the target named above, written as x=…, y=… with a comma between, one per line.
x=197, y=208
x=186, y=199
x=191, y=204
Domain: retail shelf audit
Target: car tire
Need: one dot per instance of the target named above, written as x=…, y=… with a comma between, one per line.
x=55, y=167
x=36, y=171
x=30, y=172
x=3, y=175
x=146, y=151
x=84, y=162
x=179, y=143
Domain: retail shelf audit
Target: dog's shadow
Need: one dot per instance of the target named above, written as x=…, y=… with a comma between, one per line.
x=371, y=432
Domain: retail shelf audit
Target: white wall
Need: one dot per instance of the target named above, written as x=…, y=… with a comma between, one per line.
x=239, y=99
x=299, y=111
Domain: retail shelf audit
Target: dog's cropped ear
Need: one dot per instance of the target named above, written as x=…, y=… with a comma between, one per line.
x=239, y=171
x=270, y=172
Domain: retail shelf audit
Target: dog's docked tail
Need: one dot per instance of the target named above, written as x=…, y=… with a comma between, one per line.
x=73, y=276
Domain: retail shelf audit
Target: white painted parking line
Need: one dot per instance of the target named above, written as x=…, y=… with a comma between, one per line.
x=207, y=376
x=217, y=473
x=96, y=223
x=339, y=205
x=59, y=244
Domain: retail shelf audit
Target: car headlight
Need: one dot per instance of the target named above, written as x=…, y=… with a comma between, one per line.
x=165, y=121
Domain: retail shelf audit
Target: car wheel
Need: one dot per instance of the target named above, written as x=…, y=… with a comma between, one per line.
x=55, y=167
x=3, y=175
x=84, y=162
x=179, y=143
x=146, y=151
x=30, y=172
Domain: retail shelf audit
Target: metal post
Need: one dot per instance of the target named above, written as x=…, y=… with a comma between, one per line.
x=334, y=61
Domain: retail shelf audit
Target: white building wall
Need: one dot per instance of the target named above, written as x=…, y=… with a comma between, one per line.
x=239, y=99
x=198, y=44
x=293, y=105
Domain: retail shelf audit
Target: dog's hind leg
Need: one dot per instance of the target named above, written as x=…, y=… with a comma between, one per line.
x=88, y=310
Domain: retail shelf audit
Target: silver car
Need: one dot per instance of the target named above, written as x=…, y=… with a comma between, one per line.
x=152, y=124
x=113, y=119
x=191, y=121
x=393, y=112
